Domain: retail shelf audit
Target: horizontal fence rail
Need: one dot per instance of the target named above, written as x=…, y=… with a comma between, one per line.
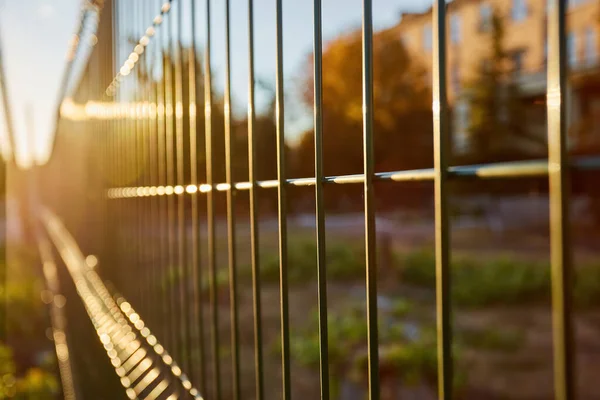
x=504, y=170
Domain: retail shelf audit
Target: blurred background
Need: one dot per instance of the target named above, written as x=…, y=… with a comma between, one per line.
x=124, y=127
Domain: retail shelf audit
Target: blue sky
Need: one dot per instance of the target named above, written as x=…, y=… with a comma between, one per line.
x=35, y=35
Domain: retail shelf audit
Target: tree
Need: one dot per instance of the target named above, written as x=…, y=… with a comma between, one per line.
x=35, y=383
x=497, y=128
x=402, y=116
x=264, y=131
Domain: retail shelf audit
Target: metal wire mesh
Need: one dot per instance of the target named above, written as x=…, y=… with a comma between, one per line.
x=139, y=120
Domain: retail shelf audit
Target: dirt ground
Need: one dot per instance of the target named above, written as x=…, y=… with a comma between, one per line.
x=491, y=374
x=523, y=374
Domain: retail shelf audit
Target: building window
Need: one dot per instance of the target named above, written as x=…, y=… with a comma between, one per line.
x=428, y=79
x=486, y=65
x=405, y=39
x=574, y=3
x=427, y=45
x=572, y=48
x=462, y=122
x=519, y=10
x=517, y=61
x=455, y=29
x=485, y=17
x=591, y=46
x=455, y=78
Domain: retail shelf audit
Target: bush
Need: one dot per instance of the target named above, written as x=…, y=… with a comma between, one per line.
x=587, y=285
x=474, y=283
x=418, y=268
x=500, y=280
x=222, y=281
x=401, y=308
x=493, y=339
x=413, y=361
x=345, y=332
x=343, y=263
x=301, y=264
x=36, y=383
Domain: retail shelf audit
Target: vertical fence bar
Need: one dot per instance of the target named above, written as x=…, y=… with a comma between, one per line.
x=148, y=181
x=115, y=150
x=129, y=157
x=152, y=217
x=210, y=210
x=180, y=160
x=132, y=157
x=235, y=344
x=119, y=167
x=560, y=245
x=144, y=203
x=197, y=322
x=126, y=208
x=170, y=178
x=137, y=132
x=151, y=118
x=319, y=202
x=442, y=236
x=370, y=238
x=144, y=133
x=254, y=236
x=119, y=139
x=162, y=182
x=135, y=161
x=119, y=125
x=282, y=220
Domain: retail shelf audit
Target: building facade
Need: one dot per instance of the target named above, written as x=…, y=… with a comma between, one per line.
x=469, y=35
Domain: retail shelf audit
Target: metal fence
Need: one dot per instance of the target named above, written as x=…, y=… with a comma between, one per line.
x=133, y=119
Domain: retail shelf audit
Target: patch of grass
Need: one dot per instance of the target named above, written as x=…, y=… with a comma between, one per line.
x=402, y=307
x=418, y=267
x=301, y=264
x=343, y=263
x=480, y=283
x=587, y=285
x=412, y=360
x=476, y=282
x=495, y=281
x=501, y=340
x=499, y=281
x=345, y=332
x=413, y=363
x=222, y=281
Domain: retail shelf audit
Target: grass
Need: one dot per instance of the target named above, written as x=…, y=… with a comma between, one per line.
x=402, y=308
x=344, y=263
x=476, y=282
x=496, y=340
x=403, y=356
x=587, y=282
x=497, y=280
x=408, y=359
